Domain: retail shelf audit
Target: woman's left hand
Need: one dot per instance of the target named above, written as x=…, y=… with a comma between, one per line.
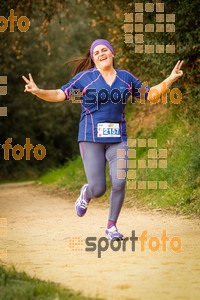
x=176, y=72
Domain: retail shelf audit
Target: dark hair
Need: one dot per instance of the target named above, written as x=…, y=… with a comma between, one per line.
x=82, y=63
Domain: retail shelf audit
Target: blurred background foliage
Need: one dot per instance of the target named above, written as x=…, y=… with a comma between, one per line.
x=62, y=30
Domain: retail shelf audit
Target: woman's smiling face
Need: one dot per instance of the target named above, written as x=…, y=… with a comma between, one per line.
x=102, y=57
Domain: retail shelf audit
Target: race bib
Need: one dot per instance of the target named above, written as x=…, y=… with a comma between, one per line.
x=108, y=130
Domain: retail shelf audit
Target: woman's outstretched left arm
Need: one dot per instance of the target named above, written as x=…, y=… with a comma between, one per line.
x=157, y=90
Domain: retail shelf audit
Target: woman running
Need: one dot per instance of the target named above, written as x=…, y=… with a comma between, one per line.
x=102, y=128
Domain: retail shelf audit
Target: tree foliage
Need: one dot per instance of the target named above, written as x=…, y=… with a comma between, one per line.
x=60, y=30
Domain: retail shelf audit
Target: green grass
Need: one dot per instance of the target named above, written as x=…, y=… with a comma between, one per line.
x=180, y=136
x=19, y=286
x=71, y=177
x=16, y=181
x=177, y=134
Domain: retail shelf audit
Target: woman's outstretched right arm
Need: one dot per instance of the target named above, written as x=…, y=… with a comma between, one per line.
x=47, y=95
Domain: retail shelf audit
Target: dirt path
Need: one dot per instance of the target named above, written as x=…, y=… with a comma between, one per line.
x=40, y=226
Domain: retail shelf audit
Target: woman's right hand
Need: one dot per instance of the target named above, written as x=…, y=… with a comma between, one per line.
x=30, y=86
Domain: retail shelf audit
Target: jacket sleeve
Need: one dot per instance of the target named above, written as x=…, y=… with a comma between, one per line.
x=137, y=88
x=73, y=84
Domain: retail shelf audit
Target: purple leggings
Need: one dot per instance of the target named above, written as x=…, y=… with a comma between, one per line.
x=94, y=156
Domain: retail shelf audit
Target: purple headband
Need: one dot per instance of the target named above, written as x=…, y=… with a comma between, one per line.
x=100, y=42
